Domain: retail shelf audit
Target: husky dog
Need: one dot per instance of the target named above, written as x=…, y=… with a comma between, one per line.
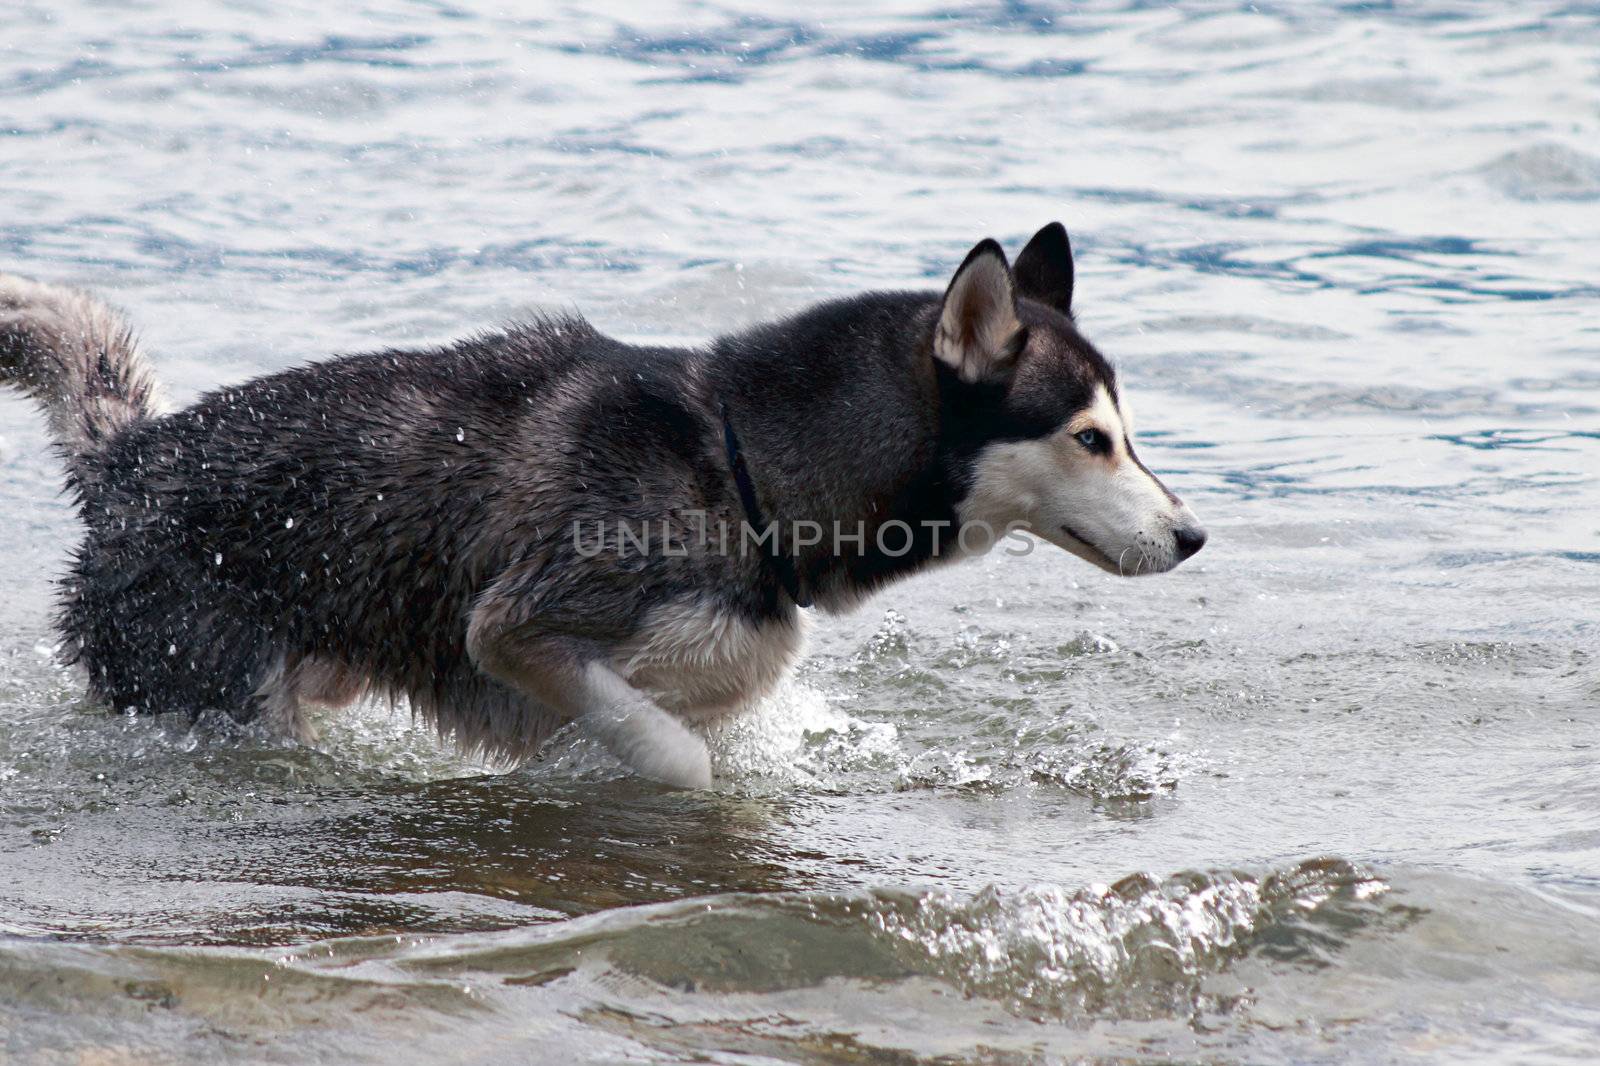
x=411, y=523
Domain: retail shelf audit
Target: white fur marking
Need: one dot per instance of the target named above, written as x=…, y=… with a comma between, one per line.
x=1105, y=509
x=703, y=662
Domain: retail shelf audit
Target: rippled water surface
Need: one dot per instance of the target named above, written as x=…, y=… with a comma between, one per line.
x=1328, y=792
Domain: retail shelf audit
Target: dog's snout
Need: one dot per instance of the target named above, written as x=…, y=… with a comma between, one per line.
x=1190, y=540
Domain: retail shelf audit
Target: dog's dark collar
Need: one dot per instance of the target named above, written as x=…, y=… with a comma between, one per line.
x=781, y=562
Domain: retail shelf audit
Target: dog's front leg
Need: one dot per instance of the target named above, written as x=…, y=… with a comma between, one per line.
x=572, y=678
x=654, y=742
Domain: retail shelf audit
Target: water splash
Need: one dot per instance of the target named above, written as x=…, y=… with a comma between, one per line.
x=1137, y=946
x=797, y=737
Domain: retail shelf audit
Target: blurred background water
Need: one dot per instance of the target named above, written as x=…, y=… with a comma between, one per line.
x=1328, y=792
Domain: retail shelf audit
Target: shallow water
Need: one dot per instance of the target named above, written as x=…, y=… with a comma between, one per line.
x=1327, y=792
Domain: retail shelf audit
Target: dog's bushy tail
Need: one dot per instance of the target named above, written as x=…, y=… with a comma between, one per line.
x=77, y=358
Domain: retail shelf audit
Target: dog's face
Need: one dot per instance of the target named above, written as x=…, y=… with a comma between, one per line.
x=1053, y=451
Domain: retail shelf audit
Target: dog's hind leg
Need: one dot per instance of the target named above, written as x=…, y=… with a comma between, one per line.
x=292, y=682
x=572, y=678
x=276, y=703
x=326, y=681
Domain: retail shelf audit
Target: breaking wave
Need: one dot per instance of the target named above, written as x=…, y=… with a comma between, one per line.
x=1141, y=947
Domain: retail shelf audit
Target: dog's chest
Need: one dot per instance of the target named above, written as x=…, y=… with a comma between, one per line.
x=702, y=662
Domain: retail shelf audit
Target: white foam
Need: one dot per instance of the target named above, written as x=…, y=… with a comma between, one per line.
x=1545, y=172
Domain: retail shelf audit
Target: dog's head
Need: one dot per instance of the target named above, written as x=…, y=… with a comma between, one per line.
x=1049, y=442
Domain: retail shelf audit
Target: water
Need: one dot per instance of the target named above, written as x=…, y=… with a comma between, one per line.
x=1328, y=792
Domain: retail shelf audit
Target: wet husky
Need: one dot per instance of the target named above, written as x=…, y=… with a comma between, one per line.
x=433, y=524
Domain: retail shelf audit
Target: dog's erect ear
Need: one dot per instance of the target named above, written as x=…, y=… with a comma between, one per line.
x=1044, y=269
x=979, y=335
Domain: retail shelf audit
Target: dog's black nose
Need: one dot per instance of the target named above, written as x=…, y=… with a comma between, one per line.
x=1190, y=540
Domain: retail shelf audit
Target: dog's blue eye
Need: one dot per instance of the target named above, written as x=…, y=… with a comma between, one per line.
x=1089, y=438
